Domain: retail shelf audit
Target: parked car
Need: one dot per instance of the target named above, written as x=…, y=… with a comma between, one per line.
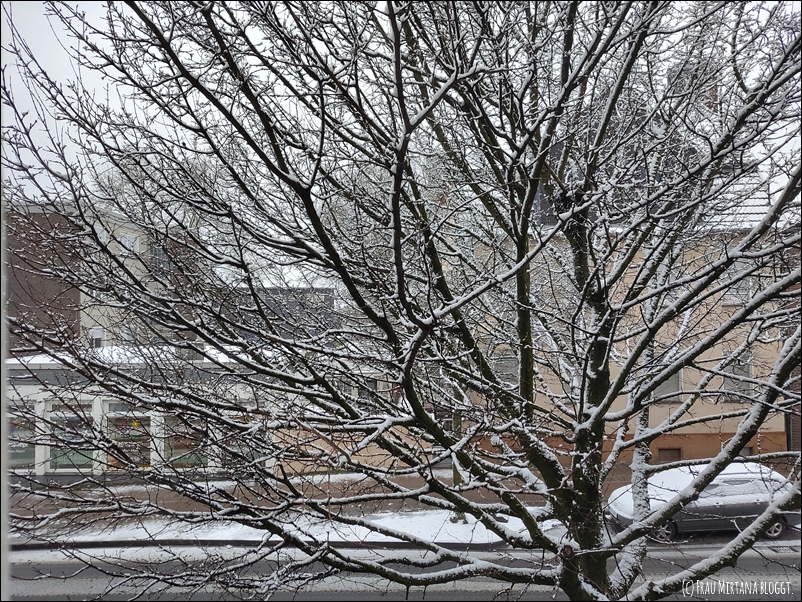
x=735, y=497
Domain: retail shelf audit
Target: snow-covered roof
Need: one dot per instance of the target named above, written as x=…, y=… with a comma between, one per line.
x=121, y=355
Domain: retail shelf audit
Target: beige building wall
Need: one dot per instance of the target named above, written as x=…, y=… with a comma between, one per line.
x=722, y=402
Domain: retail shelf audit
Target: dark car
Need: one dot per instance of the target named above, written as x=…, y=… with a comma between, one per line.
x=735, y=497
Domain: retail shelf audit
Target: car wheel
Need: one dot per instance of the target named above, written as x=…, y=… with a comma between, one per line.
x=776, y=530
x=665, y=532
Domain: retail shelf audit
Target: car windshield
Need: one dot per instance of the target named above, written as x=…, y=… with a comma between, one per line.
x=740, y=486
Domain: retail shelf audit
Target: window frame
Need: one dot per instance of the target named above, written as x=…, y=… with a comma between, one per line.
x=94, y=338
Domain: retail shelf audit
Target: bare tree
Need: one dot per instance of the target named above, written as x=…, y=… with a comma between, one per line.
x=369, y=237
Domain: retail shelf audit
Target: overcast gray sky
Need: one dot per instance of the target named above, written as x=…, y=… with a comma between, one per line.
x=47, y=39
x=40, y=33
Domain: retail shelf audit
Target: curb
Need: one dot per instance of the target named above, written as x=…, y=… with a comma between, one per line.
x=778, y=547
x=237, y=543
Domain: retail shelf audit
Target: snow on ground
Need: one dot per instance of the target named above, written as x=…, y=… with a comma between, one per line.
x=429, y=525
x=432, y=525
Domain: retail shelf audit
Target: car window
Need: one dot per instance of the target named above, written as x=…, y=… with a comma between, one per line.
x=729, y=487
x=710, y=491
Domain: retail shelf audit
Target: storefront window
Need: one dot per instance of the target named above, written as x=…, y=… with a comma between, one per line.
x=21, y=452
x=132, y=434
x=70, y=451
x=184, y=444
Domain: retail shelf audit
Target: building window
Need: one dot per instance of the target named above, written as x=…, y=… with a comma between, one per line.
x=69, y=449
x=184, y=444
x=21, y=451
x=159, y=262
x=129, y=244
x=668, y=390
x=97, y=338
x=740, y=368
x=366, y=392
x=506, y=369
x=740, y=291
x=669, y=454
x=133, y=441
x=246, y=453
x=121, y=407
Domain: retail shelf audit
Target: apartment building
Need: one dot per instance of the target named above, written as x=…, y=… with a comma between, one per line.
x=51, y=299
x=722, y=383
x=93, y=319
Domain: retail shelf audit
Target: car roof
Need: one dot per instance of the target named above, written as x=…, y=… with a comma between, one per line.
x=664, y=485
x=676, y=479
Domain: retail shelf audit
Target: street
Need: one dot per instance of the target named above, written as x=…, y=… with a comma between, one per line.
x=771, y=571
